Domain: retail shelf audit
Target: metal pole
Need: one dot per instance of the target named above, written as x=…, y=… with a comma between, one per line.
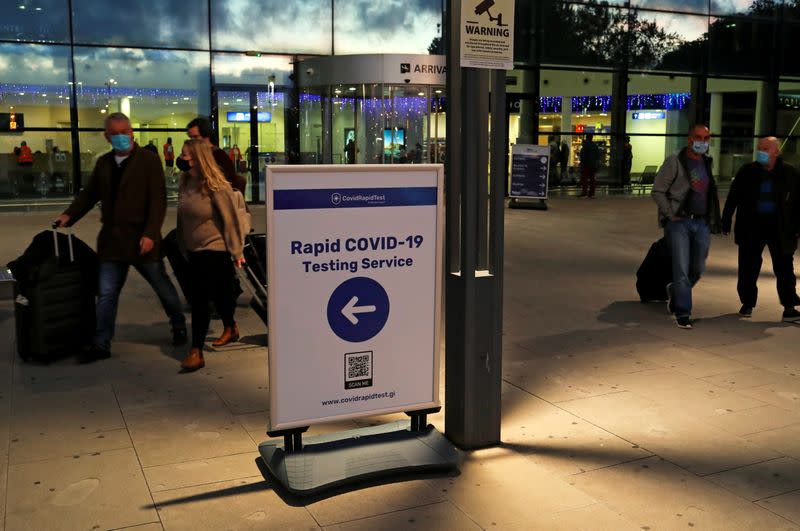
x=474, y=249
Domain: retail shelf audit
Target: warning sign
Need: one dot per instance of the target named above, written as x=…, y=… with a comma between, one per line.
x=487, y=34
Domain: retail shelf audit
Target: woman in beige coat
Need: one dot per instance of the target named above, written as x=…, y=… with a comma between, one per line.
x=212, y=237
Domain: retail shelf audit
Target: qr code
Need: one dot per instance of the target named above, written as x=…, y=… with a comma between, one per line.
x=358, y=369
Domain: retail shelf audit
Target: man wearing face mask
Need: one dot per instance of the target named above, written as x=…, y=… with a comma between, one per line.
x=200, y=129
x=764, y=196
x=688, y=210
x=129, y=183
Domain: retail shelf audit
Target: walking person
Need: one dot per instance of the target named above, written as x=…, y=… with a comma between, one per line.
x=210, y=234
x=129, y=183
x=627, y=161
x=563, y=158
x=169, y=157
x=590, y=162
x=688, y=210
x=200, y=129
x=764, y=196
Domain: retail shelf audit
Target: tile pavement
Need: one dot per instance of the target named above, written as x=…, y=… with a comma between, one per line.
x=612, y=417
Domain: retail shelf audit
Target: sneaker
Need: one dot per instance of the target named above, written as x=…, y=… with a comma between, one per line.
x=790, y=315
x=684, y=322
x=670, y=303
x=746, y=311
x=178, y=336
x=93, y=353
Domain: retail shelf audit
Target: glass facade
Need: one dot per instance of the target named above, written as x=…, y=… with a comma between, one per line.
x=645, y=69
x=64, y=65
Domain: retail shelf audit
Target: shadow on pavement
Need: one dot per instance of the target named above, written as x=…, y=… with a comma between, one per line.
x=213, y=495
x=626, y=313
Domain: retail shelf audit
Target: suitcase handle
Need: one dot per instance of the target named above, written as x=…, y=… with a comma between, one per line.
x=69, y=241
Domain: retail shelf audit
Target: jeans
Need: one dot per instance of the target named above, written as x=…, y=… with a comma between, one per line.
x=212, y=280
x=112, y=278
x=689, y=240
x=750, y=261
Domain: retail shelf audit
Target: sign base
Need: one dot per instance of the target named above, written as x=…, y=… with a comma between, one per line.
x=350, y=457
x=531, y=204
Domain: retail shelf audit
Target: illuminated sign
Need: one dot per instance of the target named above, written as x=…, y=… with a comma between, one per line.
x=263, y=116
x=13, y=122
x=649, y=115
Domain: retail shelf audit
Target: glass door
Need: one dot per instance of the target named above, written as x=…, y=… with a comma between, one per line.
x=252, y=131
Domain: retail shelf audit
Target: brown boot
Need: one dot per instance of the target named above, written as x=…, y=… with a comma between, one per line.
x=193, y=361
x=229, y=335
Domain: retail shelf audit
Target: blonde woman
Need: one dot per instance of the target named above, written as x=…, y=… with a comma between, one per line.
x=212, y=237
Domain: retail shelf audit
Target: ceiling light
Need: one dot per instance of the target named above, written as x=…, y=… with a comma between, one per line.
x=438, y=91
x=351, y=89
x=38, y=9
x=226, y=103
x=238, y=99
x=102, y=111
x=421, y=94
x=22, y=7
x=174, y=102
x=186, y=98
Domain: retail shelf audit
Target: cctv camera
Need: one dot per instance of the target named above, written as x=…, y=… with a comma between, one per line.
x=310, y=71
x=407, y=80
x=483, y=7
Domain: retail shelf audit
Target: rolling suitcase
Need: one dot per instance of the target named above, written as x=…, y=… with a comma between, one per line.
x=255, y=254
x=254, y=272
x=54, y=303
x=655, y=273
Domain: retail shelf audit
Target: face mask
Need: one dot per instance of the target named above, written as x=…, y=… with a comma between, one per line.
x=700, y=147
x=762, y=157
x=183, y=164
x=121, y=143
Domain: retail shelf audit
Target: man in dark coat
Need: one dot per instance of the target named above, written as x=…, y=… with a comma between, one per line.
x=200, y=129
x=764, y=196
x=590, y=162
x=129, y=183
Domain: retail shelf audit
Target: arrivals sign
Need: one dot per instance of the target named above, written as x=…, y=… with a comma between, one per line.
x=354, y=277
x=487, y=34
x=529, y=171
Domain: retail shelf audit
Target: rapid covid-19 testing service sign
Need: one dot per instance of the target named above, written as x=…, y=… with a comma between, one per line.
x=354, y=280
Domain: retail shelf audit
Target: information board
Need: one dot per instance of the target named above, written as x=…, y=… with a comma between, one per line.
x=530, y=165
x=354, y=277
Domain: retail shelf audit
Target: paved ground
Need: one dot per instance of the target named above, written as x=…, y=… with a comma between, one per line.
x=612, y=417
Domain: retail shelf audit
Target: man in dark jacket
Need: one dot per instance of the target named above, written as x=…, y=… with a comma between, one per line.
x=688, y=209
x=129, y=183
x=764, y=196
x=590, y=162
x=200, y=128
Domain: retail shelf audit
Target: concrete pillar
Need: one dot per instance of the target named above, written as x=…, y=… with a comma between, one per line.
x=528, y=109
x=766, y=118
x=566, y=124
x=759, y=118
x=715, y=124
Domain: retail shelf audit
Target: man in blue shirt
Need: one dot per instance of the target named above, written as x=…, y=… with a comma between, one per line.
x=688, y=209
x=764, y=196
